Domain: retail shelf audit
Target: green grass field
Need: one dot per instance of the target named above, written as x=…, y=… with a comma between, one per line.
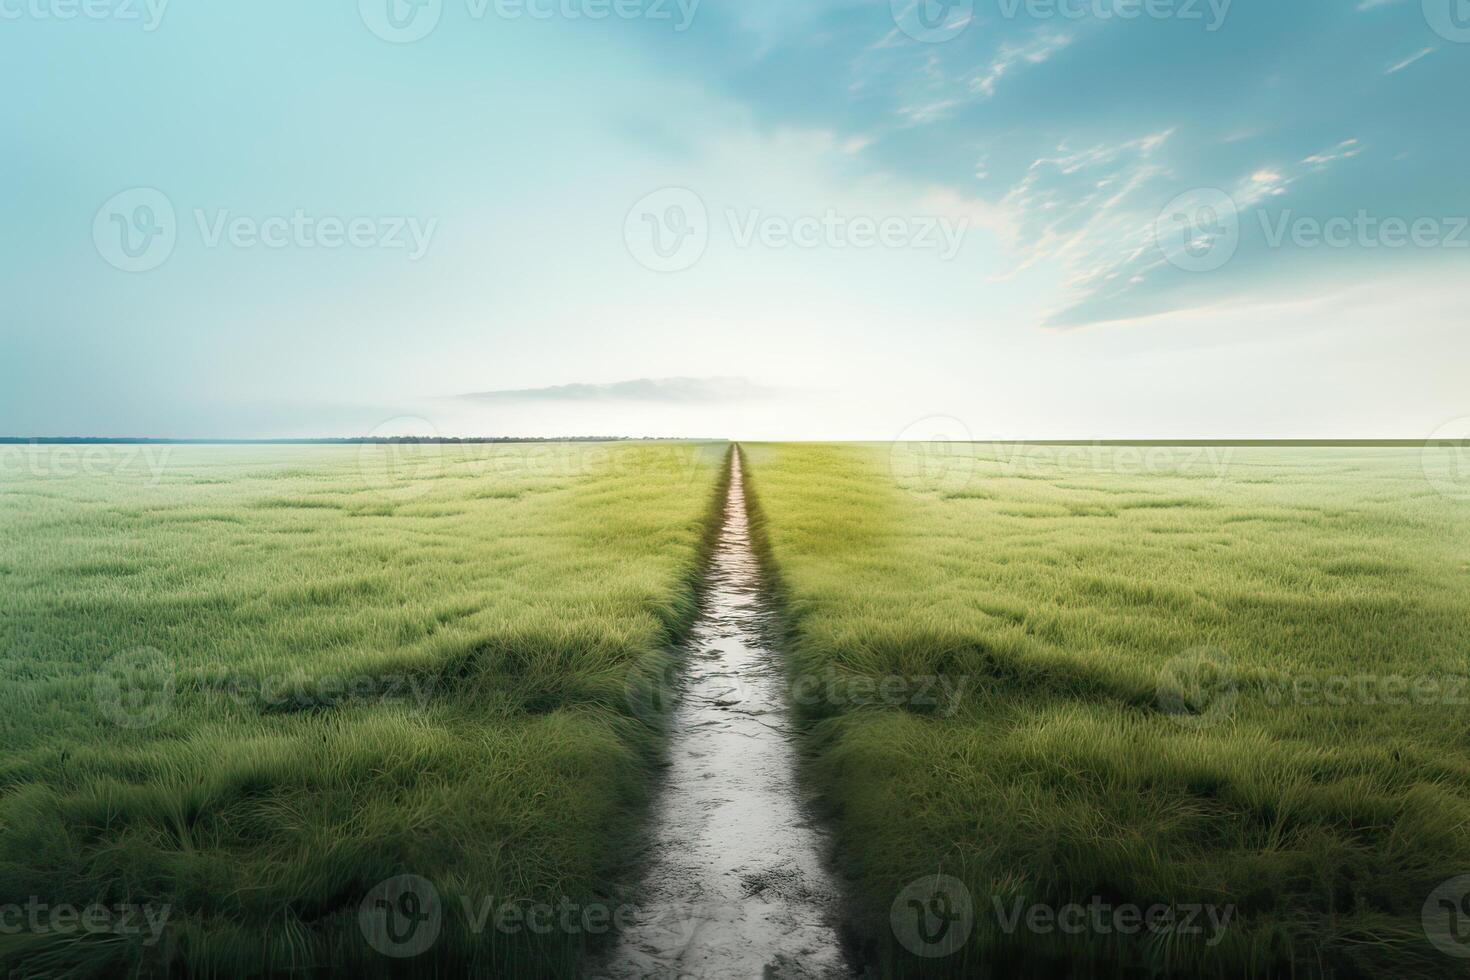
x=1232, y=681
x=248, y=685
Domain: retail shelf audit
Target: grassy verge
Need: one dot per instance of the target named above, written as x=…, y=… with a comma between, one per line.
x=1151, y=712
x=247, y=691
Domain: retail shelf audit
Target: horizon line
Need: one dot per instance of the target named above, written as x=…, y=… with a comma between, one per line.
x=1386, y=443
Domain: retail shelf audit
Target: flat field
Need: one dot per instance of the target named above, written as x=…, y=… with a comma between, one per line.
x=1084, y=710
x=1225, y=685
x=243, y=686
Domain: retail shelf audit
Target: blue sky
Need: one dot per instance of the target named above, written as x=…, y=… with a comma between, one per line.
x=831, y=219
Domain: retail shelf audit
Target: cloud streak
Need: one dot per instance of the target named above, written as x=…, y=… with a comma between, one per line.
x=1399, y=66
x=1093, y=214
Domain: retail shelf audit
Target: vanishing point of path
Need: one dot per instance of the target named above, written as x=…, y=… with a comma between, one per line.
x=736, y=885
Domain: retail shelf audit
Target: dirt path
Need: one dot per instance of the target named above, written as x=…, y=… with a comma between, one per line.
x=736, y=886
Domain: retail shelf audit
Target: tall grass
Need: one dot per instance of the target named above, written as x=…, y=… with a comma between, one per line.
x=1144, y=659
x=249, y=685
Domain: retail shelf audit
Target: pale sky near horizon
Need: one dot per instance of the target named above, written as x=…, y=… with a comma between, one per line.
x=841, y=219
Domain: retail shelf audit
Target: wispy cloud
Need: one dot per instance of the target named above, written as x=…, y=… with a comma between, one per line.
x=941, y=85
x=1345, y=150
x=1093, y=213
x=1399, y=66
x=929, y=111
x=955, y=21
x=665, y=390
x=1009, y=56
x=1082, y=207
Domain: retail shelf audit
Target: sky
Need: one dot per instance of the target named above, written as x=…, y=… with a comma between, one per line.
x=807, y=219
